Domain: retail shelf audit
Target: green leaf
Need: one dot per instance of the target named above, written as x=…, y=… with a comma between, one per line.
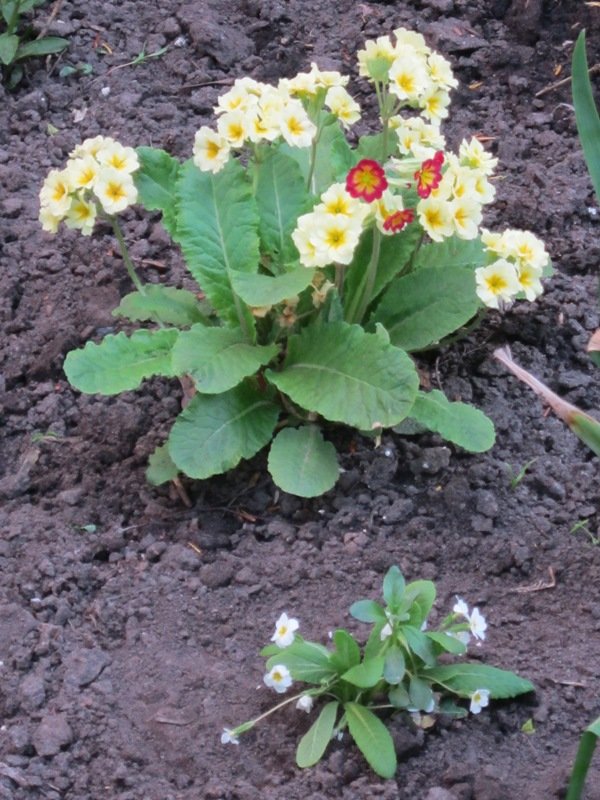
x=314, y=742
x=348, y=376
x=266, y=290
x=7, y=8
x=306, y=661
x=334, y=157
x=371, y=146
x=398, y=697
x=347, y=651
x=41, y=47
x=161, y=304
x=421, y=308
x=161, y=468
x=452, y=252
x=120, y=363
x=395, y=666
x=217, y=228
x=393, y=587
x=301, y=462
x=451, y=709
x=419, y=644
x=9, y=44
x=281, y=197
x=215, y=432
x=366, y=674
x=586, y=113
x=372, y=739
x=368, y=611
x=420, y=694
x=394, y=254
x=583, y=760
x=423, y=594
x=156, y=181
x=218, y=358
x=464, y=679
x=459, y=423
x=446, y=642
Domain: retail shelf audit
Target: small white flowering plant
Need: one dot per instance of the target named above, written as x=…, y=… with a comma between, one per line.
x=322, y=266
x=403, y=667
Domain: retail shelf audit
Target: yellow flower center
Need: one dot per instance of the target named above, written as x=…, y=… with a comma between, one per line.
x=496, y=283
x=115, y=191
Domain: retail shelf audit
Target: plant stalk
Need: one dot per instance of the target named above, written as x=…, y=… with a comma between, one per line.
x=125, y=255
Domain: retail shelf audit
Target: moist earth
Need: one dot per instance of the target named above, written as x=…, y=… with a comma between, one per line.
x=130, y=621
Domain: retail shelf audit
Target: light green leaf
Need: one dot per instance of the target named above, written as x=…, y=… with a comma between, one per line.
x=423, y=594
x=347, y=651
x=266, y=290
x=301, y=462
x=156, y=181
x=215, y=432
x=464, y=679
x=452, y=252
x=41, y=47
x=583, y=759
x=9, y=44
x=586, y=113
x=420, y=694
x=314, y=742
x=120, y=363
x=348, y=376
x=419, y=644
x=368, y=611
x=448, y=643
x=161, y=304
x=160, y=467
x=393, y=587
x=395, y=666
x=218, y=358
x=459, y=423
x=306, y=661
x=421, y=308
x=372, y=739
x=366, y=674
x=281, y=197
x=217, y=228
x=398, y=697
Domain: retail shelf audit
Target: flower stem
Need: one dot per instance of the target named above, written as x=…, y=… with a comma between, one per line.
x=125, y=254
x=371, y=274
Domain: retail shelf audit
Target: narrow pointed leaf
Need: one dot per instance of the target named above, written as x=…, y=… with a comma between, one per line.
x=215, y=432
x=421, y=308
x=348, y=376
x=301, y=462
x=218, y=358
x=156, y=181
x=459, y=423
x=9, y=43
x=161, y=304
x=419, y=644
x=448, y=643
x=372, y=739
x=41, y=47
x=586, y=113
x=267, y=290
x=587, y=745
x=366, y=674
x=465, y=678
x=314, y=743
x=119, y=362
x=393, y=587
x=161, y=468
x=217, y=228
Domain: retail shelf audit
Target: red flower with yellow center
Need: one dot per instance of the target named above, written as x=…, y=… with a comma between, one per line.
x=366, y=180
x=429, y=176
x=396, y=221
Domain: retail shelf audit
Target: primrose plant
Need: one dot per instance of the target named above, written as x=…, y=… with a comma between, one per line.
x=399, y=669
x=322, y=266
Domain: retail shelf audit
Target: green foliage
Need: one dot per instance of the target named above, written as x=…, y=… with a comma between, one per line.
x=161, y=468
x=457, y=422
x=583, y=759
x=162, y=304
x=302, y=462
x=17, y=42
x=156, y=182
x=586, y=113
x=397, y=670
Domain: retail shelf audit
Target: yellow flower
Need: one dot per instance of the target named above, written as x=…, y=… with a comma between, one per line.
x=56, y=192
x=49, y=221
x=115, y=190
x=233, y=127
x=408, y=76
x=435, y=218
x=466, y=216
x=497, y=283
x=81, y=216
x=472, y=154
x=345, y=108
x=211, y=150
x=335, y=238
x=122, y=159
x=296, y=127
x=83, y=172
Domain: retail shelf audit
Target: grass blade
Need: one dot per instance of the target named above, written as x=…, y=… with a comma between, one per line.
x=583, y=758
x=586, y=113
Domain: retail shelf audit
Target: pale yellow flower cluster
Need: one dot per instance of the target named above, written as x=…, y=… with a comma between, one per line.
x=330, y=232
x=415, y=75
x=98, y=174
x=253, y=112
x=518, y=269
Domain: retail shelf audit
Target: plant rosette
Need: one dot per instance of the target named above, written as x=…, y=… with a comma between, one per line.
x=322, y=266
x=403, y=667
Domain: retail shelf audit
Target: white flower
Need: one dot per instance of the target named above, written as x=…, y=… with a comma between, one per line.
x=479, y=699
x=497, y=283
x=385, y=631
x=305, y=703
x=229, y=737
x=284, y=631
x=463, y=636
x=461, y=608
x=278, y=678
x=478, y=624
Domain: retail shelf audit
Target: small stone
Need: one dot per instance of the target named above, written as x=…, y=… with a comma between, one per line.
x=399, y=510
x=32, y=692
x=431, y=461
x=84, y=666
x=486, y=503
x=439, y=793
x=216, y=575
x=181, y=556
x=71, y=497
x=52, y=735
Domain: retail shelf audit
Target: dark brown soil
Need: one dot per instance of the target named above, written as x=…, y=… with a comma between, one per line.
x=130, y=625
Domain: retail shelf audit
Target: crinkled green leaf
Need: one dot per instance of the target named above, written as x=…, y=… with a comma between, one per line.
x=423, y=307
x=218, y=358
x=156, y=181
x=372, y=146
x=267, y=290
x=451, y=252
x=306, y=661
x=366, y=674
x=215, y=432
x=465, y=678
x=161, y=468
x=217, y=228
x=161, y=304
x=314, y=742
x=457, y=422
x=372, y=738
x=120, y=362
x=348, y=376
x=301, y=462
